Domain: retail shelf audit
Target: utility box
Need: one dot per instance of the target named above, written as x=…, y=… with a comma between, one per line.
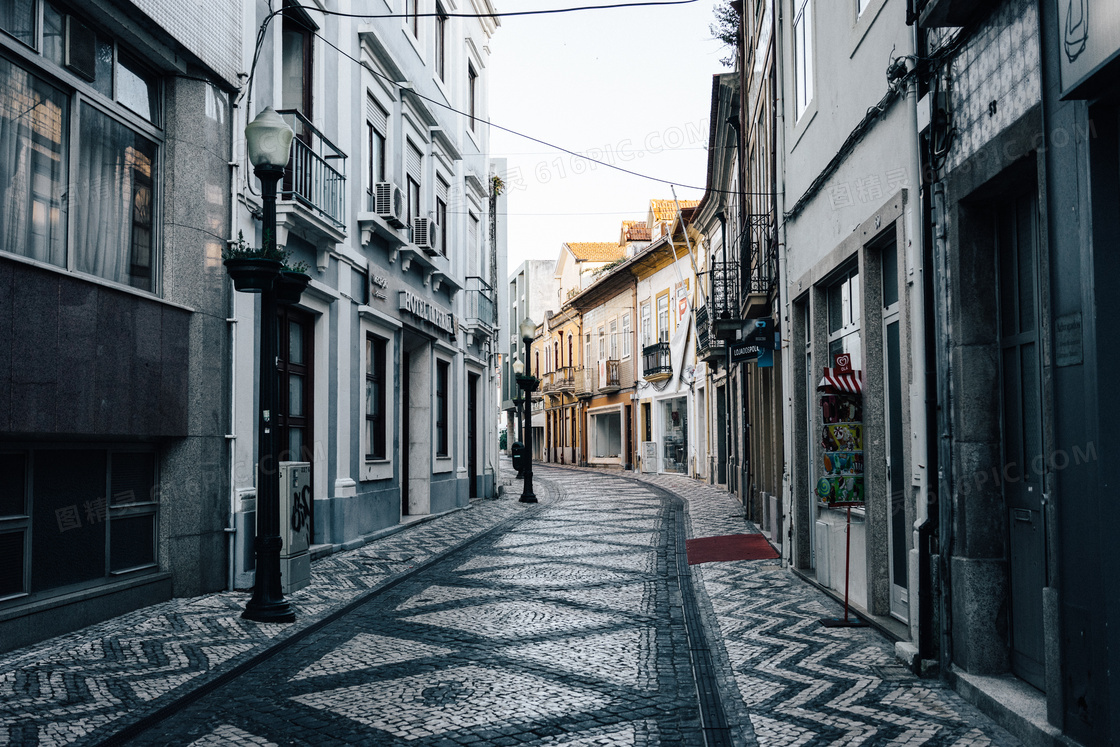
x=295, y=525
x=649, y=456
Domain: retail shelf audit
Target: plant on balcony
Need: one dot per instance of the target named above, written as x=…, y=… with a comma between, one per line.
x=253, y=269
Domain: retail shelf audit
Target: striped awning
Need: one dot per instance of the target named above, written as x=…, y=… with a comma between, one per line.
x=850, y=382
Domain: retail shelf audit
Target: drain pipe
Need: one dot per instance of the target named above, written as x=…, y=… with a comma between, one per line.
x=231, y=323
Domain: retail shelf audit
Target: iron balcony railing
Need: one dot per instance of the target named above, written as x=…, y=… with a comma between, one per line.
x=707, y=342
x=608, y=376
x=480, y=302
x=724, y=291
x=656, y=359
x=316, y=174
x=760, y=252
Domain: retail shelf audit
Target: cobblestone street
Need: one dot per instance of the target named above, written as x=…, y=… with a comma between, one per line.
x=573, y=622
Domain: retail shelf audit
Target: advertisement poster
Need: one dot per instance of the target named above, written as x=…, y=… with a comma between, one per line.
x=841, y=468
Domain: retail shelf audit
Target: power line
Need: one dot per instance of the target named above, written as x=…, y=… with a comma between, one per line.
x=509, y=14
x=530, y=138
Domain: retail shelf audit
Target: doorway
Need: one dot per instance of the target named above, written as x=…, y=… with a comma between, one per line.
x=406, y=365
x=897, y=526
x=1016, y=237
x=472, y=433
x=295, y=388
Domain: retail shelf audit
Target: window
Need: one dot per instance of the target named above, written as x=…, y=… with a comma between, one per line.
x=626, y=335
x=377, y=121
x=474, y=248
x=412, y=16
x=441, y=41
x=442, y=189
x=844, y=318
x=294, y=366
x=442, y=377
x=104, y=180
x=414, y=166
x=861, y=5
x=472, y=94
x=602, y=344
x=296, y=44
x=614, y=339
x=375, y=397
x=663, y=318
x=647, y=325
x=571, y=360
x=73, y=516
x=803, y=54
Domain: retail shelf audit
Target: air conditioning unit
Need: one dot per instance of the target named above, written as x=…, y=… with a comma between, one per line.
x=425, y=234
x=388, y=203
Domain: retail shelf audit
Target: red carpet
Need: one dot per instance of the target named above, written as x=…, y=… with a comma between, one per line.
x=729, y=547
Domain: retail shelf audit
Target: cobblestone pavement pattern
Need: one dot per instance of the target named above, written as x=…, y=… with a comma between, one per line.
x=563, y=627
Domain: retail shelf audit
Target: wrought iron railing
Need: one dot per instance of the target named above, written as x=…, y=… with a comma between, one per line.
x=706, y=341
x=609, y=376
x=760, y=250
x=316, y=174
x=480, y=302
x=724, y=290
x=656, y=359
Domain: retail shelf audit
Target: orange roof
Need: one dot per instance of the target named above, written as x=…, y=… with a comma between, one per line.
x=667, y=209
x=634, y=230
x=594, y=251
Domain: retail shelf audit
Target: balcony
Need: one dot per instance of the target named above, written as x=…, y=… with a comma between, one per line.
x=724, y=307
x=481, y=313
x=565, y=380
x=708, y=347
x=583, y=385
x=312, y=195
x=657, y=363
x=609, y=380
x=761, y=267
x=548, y=382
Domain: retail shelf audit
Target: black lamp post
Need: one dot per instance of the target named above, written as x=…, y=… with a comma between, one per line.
x=269, y=140
x=528, y=384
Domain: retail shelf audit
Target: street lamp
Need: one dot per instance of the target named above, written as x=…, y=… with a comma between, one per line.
x=528, y=330
x=268, y=139
x=518, y=444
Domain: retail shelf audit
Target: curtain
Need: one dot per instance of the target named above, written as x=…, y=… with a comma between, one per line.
x=116, y=170
x=33, y=119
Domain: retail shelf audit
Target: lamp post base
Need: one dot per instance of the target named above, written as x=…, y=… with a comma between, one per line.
x=269, y=612
x=530, y=498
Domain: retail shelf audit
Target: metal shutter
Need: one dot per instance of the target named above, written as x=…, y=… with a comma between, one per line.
x=378, y=116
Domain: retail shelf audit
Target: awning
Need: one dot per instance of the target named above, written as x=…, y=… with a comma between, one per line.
x=850, y=382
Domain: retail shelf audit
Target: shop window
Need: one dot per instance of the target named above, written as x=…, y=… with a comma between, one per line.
x=606, y=431
x=104, y=180
x=674, y=428
x=375, y=397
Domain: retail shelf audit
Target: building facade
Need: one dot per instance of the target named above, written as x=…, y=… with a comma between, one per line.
x=116, y=126
x=388, y=364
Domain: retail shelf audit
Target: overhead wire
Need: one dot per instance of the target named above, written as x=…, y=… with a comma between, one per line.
x=552, y=146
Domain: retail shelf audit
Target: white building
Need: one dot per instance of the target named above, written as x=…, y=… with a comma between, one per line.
x=388, y=363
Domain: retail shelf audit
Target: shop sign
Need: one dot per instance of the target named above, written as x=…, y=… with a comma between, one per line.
x=1089, y=33
x=427, y=312
x=378, y=285
x=744, y=351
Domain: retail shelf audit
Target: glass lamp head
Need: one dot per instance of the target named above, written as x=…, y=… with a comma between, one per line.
x=268, y=138
x=528, y=329
x=518, y=367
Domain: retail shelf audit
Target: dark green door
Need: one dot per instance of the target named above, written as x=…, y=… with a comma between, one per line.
x=1021, y=371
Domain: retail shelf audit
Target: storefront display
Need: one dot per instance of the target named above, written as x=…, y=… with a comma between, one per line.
x=675, y=429
x=841, y=468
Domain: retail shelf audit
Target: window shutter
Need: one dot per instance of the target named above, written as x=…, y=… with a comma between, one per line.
x=378, y=116
x=442, y=189
x=414, y=162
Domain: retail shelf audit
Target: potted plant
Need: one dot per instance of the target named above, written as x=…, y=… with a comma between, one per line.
x=292, y=281
x=253, y=269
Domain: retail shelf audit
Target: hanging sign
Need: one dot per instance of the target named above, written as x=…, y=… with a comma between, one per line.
x=1089, y=39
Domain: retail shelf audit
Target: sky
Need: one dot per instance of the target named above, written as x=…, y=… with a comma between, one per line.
x=631, y=85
